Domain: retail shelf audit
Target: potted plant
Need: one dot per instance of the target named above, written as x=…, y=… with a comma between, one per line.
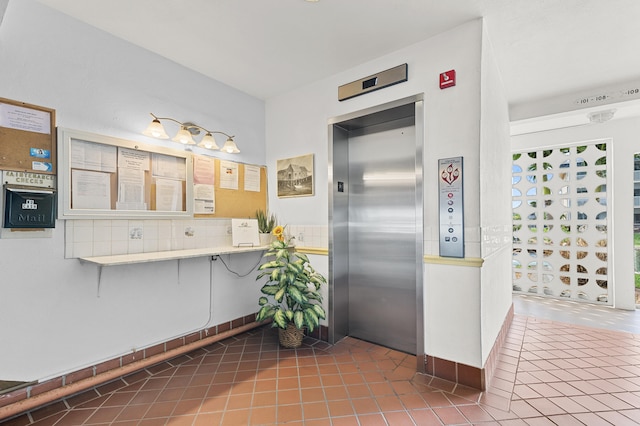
x=266, y=223
x=292, y=298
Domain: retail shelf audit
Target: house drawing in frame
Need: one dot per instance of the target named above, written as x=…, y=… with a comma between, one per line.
x=295, y=176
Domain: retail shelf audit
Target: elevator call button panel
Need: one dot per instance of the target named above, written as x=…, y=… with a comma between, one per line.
x=451, y=207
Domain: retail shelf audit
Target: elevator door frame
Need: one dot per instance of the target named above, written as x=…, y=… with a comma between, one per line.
x=339, y=128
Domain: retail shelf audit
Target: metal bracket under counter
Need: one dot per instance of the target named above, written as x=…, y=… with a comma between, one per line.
x=161, y=256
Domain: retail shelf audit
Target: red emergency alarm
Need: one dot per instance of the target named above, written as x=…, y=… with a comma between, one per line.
x=448, y=79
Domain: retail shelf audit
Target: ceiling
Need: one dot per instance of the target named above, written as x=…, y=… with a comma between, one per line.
x=267, y=47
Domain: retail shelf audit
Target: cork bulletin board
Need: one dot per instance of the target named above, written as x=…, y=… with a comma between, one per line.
x=241, y=197
x=27, y=137
x=102, y=177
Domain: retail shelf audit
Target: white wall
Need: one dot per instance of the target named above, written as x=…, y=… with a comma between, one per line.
x=495, y=200
x=53, y=321
x=625, y=143
x=297, y=124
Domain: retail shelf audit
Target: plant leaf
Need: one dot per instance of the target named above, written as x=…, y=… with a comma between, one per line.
x=263, y=301
x=279, y=294
x=319, y=311
x=295, y=268
x=297, y=295
x=280, y=319
x=270, y=289
x=265, y=312
x=311, y=318
x=289, y=314
x=272, y=264
x=298, y=319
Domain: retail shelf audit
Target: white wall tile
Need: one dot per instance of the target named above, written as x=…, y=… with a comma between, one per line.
x=83, y=249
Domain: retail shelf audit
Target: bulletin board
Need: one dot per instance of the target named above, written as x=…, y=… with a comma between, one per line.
x=106, y=177
x=27, y=137
x=240, y=201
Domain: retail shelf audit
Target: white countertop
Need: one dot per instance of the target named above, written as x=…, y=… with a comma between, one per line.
x=158, y=256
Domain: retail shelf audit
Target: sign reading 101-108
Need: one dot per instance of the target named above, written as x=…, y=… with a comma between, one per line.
x=451, y=207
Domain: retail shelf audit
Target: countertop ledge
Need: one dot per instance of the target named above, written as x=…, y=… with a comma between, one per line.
x=159, y=256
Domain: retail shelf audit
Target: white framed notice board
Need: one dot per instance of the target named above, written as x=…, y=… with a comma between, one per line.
x=106, y=177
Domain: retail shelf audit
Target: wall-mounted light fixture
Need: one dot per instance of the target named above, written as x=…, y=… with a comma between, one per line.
x=601, y=116
x=187, y=132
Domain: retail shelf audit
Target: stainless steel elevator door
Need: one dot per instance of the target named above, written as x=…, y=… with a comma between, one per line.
x=382, y=235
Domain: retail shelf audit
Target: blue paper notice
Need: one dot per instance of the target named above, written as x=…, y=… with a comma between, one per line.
x=40, y=153
x=41, y=166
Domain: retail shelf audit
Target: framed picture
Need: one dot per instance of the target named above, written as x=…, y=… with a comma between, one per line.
x=295, y=176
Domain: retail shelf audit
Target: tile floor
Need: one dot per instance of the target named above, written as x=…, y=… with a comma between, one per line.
x=549, y=373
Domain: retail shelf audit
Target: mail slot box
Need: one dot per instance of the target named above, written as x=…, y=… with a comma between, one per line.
x=29, y=208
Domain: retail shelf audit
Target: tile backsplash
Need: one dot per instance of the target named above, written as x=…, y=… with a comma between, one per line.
x=86, y=238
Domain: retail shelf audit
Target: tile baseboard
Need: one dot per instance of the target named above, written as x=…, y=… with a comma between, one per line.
x=39, y=394
x=474, y=377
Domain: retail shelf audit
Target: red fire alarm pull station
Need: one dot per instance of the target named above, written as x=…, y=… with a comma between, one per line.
x=448, y=79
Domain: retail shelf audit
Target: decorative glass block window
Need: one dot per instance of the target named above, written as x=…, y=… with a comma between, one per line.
x=559, y=202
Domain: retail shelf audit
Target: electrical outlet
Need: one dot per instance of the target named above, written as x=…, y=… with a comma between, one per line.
x=301, y=237
x=229, y=232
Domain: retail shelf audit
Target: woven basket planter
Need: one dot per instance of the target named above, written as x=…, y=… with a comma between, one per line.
x=291, y=337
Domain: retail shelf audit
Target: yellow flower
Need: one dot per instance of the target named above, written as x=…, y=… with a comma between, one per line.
x=278, y=231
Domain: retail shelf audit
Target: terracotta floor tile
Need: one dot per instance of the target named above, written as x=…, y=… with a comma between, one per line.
x=524, y=410
x=413, y=401
x=105, y=415
x=334, y=393
x=436, y=399
x=613, y=402
x=425, y=417
x=340, y=408
x=547, y=373
x=331, y=380
x=206, y=419
x=288, y=383
x=266, y=386
x=287, y=397
x=353, y=379
x=211, y=404
x=315, y=410
x=312, y=395
x=475, y=414
x=310, y=382
x=565, y=420
x=617, y=419
x=376, y=419
x=389, y=403
x=264, y=399
x=234, y=417
x=161, y=409
x=399, y=418
x=381, y=389
x=289, y=413
x=318, y=422
x=345, y=421
x=261, y=416
x=545, y=406
x=450, y=415
x=239, y=402
x=546, y=390
x=365, y=406
x=76, y=416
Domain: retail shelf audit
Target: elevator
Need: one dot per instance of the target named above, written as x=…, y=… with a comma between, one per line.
x=376, y=225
